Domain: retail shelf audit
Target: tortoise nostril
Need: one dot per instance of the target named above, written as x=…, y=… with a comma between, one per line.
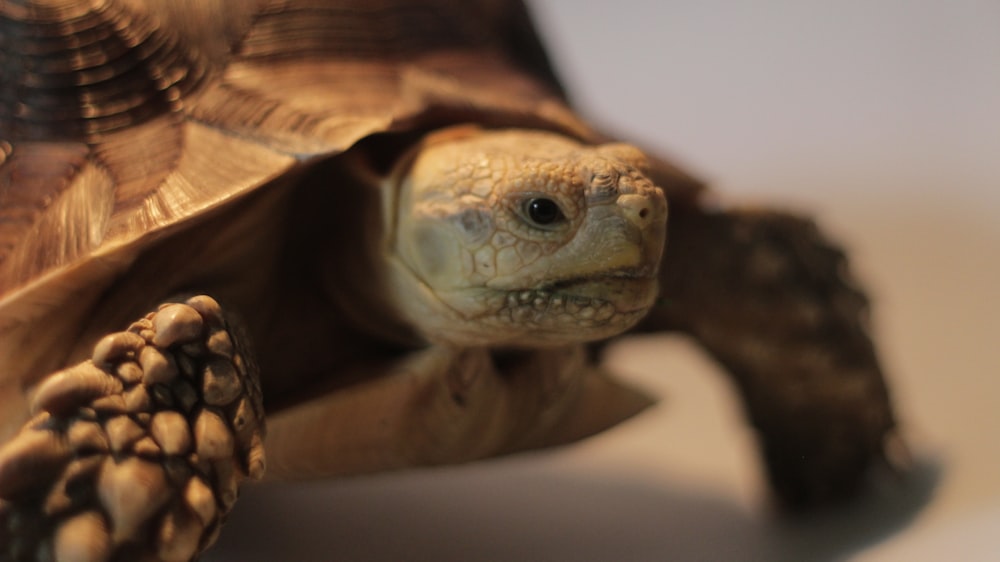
x=640, y=210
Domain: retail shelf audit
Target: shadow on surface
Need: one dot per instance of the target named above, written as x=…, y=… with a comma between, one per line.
x=522, y=510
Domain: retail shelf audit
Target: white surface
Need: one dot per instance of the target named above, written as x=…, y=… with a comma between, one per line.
x=883, y=117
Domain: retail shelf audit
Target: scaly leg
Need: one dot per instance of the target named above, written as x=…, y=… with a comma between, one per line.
x=773, y=302
x=136, y=453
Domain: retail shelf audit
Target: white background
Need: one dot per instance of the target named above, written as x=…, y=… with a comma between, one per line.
x=881, y=116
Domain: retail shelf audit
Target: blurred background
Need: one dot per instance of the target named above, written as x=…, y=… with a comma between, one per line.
x=880, y=116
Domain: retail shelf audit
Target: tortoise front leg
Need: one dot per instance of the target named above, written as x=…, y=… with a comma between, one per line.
x=137, y=452
x=771, y=299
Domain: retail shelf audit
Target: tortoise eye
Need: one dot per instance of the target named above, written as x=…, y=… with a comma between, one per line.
x=543, y=212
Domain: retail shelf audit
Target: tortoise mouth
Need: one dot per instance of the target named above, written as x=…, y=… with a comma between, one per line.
x=588, y=307
x=626, y=274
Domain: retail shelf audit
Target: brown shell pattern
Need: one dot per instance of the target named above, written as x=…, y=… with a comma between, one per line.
x=121, y=119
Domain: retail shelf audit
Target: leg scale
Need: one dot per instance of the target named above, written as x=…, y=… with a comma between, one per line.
x=136, y=453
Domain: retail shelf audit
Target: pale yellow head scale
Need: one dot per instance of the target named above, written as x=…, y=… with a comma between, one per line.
x=520, y=237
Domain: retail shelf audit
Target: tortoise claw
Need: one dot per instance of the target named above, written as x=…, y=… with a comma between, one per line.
x=139, y=451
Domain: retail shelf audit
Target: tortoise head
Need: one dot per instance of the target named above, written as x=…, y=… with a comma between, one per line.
x=523, y=237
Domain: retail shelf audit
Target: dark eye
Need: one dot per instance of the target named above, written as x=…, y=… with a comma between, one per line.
x=543, y=212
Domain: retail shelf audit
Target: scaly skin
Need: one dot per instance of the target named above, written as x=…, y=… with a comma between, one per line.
x=138, y=452
x=470, y=266
x=775, y=303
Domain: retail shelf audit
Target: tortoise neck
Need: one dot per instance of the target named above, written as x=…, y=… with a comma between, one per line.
x=341, y=228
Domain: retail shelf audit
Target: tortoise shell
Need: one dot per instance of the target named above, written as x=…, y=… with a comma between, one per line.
x=125, y=120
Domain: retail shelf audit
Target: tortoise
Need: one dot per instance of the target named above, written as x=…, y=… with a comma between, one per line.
x=381, y=225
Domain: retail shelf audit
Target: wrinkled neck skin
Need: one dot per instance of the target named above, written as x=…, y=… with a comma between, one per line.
x=520, y=238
